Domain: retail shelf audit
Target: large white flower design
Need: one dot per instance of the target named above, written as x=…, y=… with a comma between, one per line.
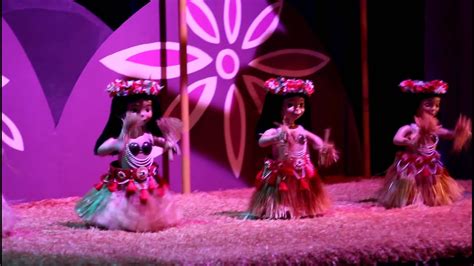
x=14, y=140
x=143, y=61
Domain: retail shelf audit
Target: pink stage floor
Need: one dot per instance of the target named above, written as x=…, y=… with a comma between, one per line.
x=355, y=231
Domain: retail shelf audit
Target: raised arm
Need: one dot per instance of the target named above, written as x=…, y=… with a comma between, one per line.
x=462, y=128
x=116, y=145
x=445, y=133
x=405, y=136
x=328, y=154
x=159, y=141
x=316, y=142
x=112, y=145
x=270, y=137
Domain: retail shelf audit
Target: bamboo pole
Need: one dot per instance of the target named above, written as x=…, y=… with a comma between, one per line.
x=164, y=78
x=365, y=88
x=185, y=140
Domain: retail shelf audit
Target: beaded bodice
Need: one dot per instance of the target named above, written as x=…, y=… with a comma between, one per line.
x=293, y=147
x=137, y=152
x=426, y=146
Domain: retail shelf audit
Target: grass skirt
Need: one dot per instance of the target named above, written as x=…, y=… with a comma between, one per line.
x=417, y=179
x=8, y=218
x=117, y=210
x=283, y=192
x=142, y=204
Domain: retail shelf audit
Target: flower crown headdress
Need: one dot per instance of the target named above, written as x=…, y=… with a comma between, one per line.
x=121, y=87
x=282, y=86
x=418, y=86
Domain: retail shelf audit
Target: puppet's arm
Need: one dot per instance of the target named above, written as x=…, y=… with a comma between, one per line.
x=159, y=141
x=130, y=125
x=316, y=142
x=405, y=136
x=166, y=144
x=171, y=128
x=328, y=154
x=445, y=133
x=112, y=145
x=270, y=137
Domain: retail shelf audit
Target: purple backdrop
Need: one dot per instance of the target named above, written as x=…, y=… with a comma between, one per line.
x=58, y=58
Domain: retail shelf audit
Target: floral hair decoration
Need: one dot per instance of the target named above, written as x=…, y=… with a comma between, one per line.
x=418, y=86
x=121, y=87
x=282, y=86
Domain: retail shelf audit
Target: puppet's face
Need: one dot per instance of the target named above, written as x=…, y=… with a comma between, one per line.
x=429, y=106
x=142, y=108
x=293, y=108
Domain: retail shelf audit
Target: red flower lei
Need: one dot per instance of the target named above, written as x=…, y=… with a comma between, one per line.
x=418, y=86
x=282, y=86
x=121, y=87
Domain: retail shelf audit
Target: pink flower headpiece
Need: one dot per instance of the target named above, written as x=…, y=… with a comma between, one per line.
x=121, y=87
x=418, y=86
x=282, y=86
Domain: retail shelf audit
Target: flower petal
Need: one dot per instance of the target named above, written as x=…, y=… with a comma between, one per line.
x=5, y=81
x=291, y=62
x=232, y=19
x=16, y=140
x=255, y=88
x=201, y=93
x=263, y=26
x=143, y=61
x=234, y=128
x=202, y=21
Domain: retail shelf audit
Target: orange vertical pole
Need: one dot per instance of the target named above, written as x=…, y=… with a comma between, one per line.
x=183, y=62
x=365, y=87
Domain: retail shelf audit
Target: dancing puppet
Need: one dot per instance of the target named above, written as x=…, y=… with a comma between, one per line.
x=289, y=185
x=418, y=176
x=131, y=195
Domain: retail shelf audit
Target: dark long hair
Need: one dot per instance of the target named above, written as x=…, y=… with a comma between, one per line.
x=117, y=113
x=272, y=112
x=412, y=101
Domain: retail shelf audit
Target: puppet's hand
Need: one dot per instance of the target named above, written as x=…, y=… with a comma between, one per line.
x=284, y=135
x=462, y=133
x=412, y=139
x=328, y=154
x=427, y=124
x=172, y=146
x=131, y=121
x=171, y=128
x=281, y=134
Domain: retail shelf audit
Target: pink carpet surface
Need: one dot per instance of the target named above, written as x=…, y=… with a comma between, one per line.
x=355, y=231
